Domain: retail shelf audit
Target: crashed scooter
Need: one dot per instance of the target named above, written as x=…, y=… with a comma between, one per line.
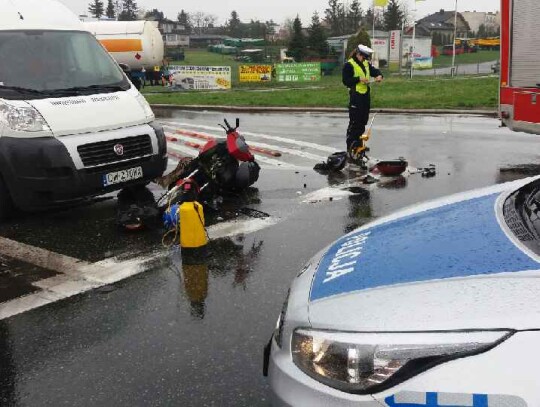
x=222, y=168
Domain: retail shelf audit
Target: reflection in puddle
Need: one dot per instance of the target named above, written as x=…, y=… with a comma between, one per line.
x=225, y=257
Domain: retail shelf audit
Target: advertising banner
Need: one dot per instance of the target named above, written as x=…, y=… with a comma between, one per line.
x=395, y=49
x=380, y=46
x=255, y=73
x=423, y=63
x=299, y=72
x=201, y=77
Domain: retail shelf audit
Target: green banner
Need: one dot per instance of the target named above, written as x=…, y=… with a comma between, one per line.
x=299, y=72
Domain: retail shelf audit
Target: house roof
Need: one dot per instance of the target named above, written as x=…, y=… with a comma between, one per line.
x=442, y=20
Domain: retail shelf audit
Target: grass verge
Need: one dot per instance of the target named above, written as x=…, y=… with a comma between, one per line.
x=399, y=93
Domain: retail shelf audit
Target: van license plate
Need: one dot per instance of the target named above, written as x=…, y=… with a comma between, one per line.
x=119, y=177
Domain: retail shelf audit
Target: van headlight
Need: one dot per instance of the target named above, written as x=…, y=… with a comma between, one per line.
x=368, y=363
x=145, y=106
x=20, y=116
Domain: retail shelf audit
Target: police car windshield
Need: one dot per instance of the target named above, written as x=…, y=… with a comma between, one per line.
x=37, y=63
x=522, y=215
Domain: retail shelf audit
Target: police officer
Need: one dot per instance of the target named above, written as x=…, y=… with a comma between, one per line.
x=356, y=76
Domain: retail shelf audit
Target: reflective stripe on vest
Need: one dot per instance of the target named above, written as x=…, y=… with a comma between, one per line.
x=361, y=88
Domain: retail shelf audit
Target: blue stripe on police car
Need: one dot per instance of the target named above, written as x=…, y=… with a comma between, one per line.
x=457, y=240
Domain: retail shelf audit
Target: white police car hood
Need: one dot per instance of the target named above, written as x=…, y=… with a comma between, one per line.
x=446, y=265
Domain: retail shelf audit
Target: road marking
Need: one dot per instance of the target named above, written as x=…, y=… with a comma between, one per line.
x=258, y=135
x=290, y=151
x=77, y=276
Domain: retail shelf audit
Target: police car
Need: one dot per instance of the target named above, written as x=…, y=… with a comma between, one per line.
x=436, y=306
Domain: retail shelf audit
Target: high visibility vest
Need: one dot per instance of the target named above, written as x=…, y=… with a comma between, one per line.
x=361, y=88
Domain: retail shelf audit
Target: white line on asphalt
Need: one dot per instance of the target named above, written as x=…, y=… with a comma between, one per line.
x=237, y=227
x=190, y=151
x=257, y=135
x=281, y=149
x=270, y=161
x=77, y=277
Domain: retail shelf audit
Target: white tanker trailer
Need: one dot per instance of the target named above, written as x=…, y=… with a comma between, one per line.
x=137, y=44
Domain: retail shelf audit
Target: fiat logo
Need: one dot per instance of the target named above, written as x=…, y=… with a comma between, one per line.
x=119, y=149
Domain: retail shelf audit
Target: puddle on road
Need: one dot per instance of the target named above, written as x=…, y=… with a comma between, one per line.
x=16, y=278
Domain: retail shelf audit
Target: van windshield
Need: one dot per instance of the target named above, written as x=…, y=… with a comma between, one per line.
x=40, y=64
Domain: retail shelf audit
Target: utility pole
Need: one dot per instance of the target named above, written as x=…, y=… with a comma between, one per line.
x=454, y=43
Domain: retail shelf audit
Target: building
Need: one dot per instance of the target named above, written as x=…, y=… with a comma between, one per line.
x=174, y=34
x=381, y=43
x=442, y=24
x=491, y=21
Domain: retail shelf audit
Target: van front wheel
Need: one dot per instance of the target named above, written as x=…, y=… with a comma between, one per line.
x=6, y=206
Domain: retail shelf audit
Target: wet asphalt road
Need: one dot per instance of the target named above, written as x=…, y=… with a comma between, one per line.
x=193, y=334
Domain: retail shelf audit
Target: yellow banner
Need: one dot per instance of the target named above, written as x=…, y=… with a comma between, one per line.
x=380, y=3
x=255, y=73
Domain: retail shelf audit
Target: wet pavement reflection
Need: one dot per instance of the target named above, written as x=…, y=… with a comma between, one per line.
x=192, y=331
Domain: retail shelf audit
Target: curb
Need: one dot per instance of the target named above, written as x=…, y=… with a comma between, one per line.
x=256, y=109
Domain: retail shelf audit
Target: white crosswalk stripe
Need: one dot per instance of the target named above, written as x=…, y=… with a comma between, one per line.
x=305, y=144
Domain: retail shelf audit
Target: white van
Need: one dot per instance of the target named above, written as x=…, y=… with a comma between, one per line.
x=71, y=124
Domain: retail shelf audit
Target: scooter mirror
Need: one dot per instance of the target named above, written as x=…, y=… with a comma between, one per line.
x=237, y=122
x=227, y=124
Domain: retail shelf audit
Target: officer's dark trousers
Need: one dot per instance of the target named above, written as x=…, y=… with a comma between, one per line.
x=358, y=117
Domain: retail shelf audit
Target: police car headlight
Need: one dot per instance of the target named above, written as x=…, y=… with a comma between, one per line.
x=20, y=116
x=368, y=363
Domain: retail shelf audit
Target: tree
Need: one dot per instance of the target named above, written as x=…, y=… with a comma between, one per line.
x=110, y=12
x=297, y=44
x=129, y=11
x=368, y=20
x=393, y=16
x=201, y=21
x=96, y=8
x=362, y=37
x=235, y=25
x=316, y=40
x=332, y=16
x=482, y=31
x=185, y=19
x=354, y=16
x=256, y=29
x=154, y=15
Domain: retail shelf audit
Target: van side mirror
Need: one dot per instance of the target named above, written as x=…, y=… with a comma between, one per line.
x=125, y=68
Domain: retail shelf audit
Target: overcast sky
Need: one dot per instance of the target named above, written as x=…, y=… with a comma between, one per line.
x=279, y=10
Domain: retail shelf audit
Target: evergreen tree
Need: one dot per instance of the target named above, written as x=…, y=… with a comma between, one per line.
x=368, y=20
x=332, y=17
x=393, y=16
x=316, y=40
x=362, y=37
x=154, y=15
x=341, y=19
x=129, y=11
x=482, y=31
x=235, y=25
x=354, y=16
x=297, y=44
x=185, y=20
x=110, y=12
x=96, y=8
